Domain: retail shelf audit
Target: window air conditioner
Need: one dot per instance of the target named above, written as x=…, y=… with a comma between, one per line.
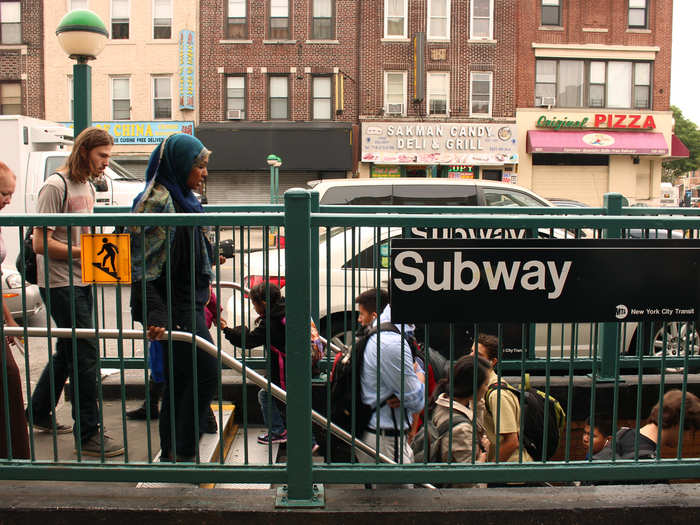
x=234, y=114
x=394, y=109
x=545, y=101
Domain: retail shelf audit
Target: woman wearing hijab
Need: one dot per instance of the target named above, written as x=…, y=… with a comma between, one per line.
x=176, y=167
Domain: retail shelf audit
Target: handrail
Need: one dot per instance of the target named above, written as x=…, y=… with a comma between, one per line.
x=211, y=349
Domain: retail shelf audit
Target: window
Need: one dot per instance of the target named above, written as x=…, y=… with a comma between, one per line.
x=480, y=94
x=637, y=16
x=121, y=99
x=120, y=19
x=595, y=84
x=321, y=98
x=438, y=19
x=235, y=97
x=279, y=98
x=162, y=19
x=323, y=24
x=78, y=4
x=395, y=92
x=509, y=198
x=642, y=85
x=237, y=21
x=481, y=19
x=10, y=98
x=279, y=19
x=395, y=14
x=10, y=23
x=551, y=12
x=162, y=101
x=438, y=91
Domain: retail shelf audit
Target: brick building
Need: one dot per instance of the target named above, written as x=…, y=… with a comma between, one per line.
x=21, y=58
x=437, y=88
x=277, y=77
x=143, y=82
x=593, y=87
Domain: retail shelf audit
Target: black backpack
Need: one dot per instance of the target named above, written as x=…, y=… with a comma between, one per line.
x=434, y=438
x=27, y=265
x=532, y=411
x=343, y=411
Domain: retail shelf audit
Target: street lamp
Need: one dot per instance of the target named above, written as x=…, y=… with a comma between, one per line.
x=274, y=162
x=82, y=35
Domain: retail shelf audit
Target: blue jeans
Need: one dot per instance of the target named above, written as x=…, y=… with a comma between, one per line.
x=85, y=410
x=183, y=382
x=270, y=405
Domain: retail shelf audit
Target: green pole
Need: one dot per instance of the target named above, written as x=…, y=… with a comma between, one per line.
x=272, y=184
x=297, y=223
x=314, y=261
x=608, y=340
x=82, y=96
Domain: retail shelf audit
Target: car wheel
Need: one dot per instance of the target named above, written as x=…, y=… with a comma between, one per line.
x=677, y=337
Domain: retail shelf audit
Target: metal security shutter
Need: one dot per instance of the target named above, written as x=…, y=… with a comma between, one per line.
x=251, y=187
x=587, y=184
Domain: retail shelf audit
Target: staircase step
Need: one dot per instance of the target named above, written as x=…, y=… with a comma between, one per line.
x=257, y=455
x=208, y=445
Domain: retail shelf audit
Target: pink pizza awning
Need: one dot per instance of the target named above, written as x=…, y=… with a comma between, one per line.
x=597, y=142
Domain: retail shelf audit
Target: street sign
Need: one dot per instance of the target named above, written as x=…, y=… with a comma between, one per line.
x=543, y=280
x=106, y=258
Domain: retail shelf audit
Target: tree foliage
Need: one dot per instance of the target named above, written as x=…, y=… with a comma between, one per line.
x=688, y=132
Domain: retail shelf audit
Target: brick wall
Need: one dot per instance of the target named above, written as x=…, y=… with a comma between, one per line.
x=462, y=57
x=583, y=22
x=299, y=53
x=24, y=62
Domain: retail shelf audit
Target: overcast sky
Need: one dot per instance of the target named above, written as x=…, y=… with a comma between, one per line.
x=685, y=65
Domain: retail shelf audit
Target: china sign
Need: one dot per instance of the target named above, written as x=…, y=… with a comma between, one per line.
x=439, y=143
x=186, y=69
x=142, y=132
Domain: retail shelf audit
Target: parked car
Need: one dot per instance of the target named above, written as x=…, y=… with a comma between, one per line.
x=353, y=262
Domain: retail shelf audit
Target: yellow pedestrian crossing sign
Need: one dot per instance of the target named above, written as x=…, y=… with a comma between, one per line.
x=106, y=258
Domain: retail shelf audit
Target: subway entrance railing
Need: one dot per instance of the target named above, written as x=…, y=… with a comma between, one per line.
x=334, y=253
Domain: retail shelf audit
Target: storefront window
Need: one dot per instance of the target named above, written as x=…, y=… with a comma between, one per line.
x=619, y=81
x=570, y=84
x=642, y=85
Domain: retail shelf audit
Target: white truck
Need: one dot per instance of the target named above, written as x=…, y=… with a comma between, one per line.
x=33, y=149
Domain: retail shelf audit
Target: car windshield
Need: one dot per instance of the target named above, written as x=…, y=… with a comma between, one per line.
x=122, y=172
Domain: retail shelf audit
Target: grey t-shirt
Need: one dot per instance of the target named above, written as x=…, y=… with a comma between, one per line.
x=80, y=199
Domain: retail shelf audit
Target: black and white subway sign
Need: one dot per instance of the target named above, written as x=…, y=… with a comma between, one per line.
x=544, y=280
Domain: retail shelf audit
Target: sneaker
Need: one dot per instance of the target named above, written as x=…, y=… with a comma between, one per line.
x=47, y=426
x=92, y=446
x=139, y=413
x=266, y=439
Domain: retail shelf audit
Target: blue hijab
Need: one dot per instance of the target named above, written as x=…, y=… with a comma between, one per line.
x=170, y=165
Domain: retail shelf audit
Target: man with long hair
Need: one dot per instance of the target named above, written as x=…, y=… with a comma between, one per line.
x=69, y=191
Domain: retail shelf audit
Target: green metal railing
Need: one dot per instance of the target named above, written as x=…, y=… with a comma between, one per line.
x=308, y=269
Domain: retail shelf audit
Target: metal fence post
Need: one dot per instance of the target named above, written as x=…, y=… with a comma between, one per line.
x=609, y=339
x=299, y=491
x=315, y=207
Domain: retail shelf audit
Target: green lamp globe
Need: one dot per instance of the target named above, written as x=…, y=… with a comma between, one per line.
x=82, y=34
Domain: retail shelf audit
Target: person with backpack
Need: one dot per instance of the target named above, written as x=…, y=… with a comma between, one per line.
x=400, y=383
x=502, y=422
x=271, y=315
x=69, y=190
x=454, y=411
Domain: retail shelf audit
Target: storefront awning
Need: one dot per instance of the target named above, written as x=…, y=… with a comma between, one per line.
x=596, y=142
x=678, y=149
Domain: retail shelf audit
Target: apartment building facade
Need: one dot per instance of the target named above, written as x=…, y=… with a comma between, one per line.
x=277, y=77
x=144, y=83
x=437, y=88
x=21, y=58
x=593, y=87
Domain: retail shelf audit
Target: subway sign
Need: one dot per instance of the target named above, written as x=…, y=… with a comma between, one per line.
x=544, y=280
x=600, y=120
